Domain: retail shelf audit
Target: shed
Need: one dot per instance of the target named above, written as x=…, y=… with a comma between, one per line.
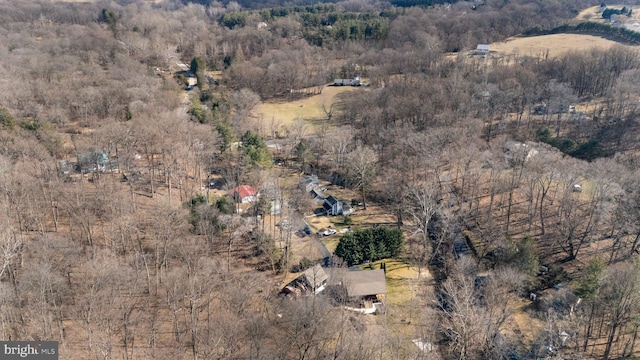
x=347, y=82
x=482, y=49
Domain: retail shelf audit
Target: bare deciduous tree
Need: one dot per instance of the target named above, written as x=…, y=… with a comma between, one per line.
x=362, y=162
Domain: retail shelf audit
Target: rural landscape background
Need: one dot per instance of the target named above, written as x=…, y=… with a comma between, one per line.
x=170, y=170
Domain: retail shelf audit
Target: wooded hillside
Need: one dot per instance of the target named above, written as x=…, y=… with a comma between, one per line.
x=147, y=210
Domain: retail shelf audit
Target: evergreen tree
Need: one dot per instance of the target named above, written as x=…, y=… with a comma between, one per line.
x=111, y=18
x=255, y=150
x=370, y=245
x=303, y=151
x=197, y=68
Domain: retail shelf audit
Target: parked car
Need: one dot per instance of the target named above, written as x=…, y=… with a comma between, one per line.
x=330, y=232
x=307, y=230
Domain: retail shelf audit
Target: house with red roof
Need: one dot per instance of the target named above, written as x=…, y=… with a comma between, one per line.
x=244, y=194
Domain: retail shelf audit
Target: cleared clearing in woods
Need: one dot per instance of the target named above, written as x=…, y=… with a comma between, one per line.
x=553, y=45
x=558, y=44
x=306, y=108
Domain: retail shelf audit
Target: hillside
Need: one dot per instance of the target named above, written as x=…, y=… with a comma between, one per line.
x=175, y=179
x=552, y=45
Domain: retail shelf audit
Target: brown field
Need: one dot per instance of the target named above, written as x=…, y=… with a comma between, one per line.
x=553, y=45
x=558, y=44
x=308, y=108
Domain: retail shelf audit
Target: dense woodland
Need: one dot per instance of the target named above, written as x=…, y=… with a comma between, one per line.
x=135, y=262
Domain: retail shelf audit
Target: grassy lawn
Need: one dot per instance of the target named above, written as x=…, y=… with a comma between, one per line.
x=402, y=280
x=407, y=297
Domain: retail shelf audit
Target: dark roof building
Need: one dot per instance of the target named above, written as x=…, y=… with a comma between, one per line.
x=332, y=206
x=362, y=291
x=317, y=194
x=311, y=282
x=369, y=283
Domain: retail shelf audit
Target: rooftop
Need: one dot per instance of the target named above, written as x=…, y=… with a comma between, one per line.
x=315, y=276
x=243, y=191
x=363, y=283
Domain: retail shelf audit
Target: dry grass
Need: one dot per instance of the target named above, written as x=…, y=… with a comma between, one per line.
x=590, y=14
x=308, y=108
x=407, y=296
x=524, y=325
x=322, y=222
x=399, y=270
x=403, y=283
x=558, y=44
x=553, y=45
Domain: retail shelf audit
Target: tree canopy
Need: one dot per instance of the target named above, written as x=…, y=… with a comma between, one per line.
x=255, y=150
x=370, y=245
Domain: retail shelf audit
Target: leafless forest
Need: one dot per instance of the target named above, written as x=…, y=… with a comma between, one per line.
x=515, y=178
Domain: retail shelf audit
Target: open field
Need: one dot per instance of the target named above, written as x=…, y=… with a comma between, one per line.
x=553, y=45
x=307, y=108
x=408, y=295
x=558, y=44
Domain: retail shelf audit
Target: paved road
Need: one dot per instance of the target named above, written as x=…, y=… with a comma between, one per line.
x=326, y=255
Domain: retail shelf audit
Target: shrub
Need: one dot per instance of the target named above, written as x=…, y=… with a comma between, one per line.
x=590, y=150
x=30, y=125
x=6, y=119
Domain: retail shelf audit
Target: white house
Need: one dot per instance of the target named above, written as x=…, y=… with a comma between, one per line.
x=332, y=206
x=482, y=49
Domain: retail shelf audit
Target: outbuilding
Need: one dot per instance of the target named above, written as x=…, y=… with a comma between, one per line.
x=482, y=49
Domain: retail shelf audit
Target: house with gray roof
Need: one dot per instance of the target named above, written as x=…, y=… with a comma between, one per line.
x=363, y=291
x=332, y=206
x=311, y=282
